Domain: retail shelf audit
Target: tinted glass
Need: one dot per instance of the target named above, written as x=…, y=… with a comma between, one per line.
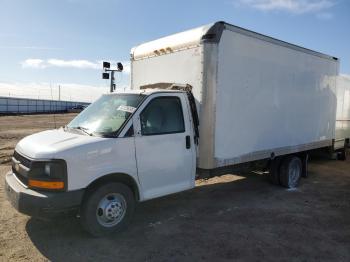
x=162, y=116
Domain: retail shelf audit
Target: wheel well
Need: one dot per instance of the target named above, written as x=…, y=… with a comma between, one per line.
x=116, y=177
x=303, y=156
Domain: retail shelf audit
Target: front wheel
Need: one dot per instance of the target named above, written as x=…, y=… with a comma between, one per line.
x=107, y=209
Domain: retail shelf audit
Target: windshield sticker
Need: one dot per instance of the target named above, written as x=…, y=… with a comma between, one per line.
x=129, y=109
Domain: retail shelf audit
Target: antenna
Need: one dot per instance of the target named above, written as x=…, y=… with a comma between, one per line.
x=108, y=71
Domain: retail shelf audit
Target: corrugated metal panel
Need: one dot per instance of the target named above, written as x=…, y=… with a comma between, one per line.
x=11, y=105
x=342, y=130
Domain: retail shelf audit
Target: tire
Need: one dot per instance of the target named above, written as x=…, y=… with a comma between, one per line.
x=305, y=163
x=290, y=171
x=274, y=170
x=108, y=208
x=341, y=155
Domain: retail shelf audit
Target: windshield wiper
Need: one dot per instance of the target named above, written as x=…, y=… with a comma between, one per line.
x=81, y=128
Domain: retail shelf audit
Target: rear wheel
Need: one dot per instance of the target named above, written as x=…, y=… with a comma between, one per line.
x=290, y=171
x=107, y=209
x=341, y=155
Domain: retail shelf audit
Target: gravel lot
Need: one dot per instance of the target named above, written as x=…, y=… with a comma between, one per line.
x=223, y=219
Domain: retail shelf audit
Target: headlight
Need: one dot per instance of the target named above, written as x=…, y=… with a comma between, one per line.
x=48, y=175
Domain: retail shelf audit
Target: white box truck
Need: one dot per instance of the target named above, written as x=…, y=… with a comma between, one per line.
x=342, y=127
x=210, y=99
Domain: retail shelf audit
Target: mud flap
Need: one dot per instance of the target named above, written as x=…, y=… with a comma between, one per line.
x=305, y=161
x=275, y=169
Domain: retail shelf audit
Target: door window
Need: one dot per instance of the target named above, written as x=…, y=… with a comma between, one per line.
x=163, y=115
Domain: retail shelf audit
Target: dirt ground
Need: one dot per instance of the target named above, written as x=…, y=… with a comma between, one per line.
x=228, y=218
x=14, y=128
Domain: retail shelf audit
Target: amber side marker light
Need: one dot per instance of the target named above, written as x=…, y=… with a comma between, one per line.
x=46, y=184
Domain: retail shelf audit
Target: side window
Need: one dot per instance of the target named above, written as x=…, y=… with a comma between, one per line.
x=162, y=115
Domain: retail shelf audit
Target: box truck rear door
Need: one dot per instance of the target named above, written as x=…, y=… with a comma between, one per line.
x=164, y=145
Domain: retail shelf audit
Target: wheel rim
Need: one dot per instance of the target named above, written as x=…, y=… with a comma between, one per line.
x=111, y=210
x=294, y=173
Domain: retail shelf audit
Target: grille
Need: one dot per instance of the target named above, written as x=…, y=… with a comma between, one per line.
x=20, y=177
x=23, y=160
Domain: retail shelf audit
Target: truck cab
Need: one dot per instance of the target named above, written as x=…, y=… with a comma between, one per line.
x=125, y=147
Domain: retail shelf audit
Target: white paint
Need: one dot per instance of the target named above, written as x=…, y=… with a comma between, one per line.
x=253, y=94
x=164, y=164
x=170, y=44
x=87, y=157
x=269, y=96
x=343, y=108
x=178, y=67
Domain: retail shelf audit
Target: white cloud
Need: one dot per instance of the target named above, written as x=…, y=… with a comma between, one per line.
x=69, y=91
x=291, y=6
x=80, y=64
x=34, y=63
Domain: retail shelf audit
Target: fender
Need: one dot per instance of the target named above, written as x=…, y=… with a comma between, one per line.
x=116, y=177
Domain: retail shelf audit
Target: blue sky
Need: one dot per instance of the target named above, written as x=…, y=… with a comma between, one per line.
x=45, y=42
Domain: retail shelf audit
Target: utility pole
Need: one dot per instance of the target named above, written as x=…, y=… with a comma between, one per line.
x=108, y=71
x=112, y=87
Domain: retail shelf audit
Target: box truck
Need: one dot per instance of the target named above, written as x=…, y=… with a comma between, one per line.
x=202, y=102
x=342, y=127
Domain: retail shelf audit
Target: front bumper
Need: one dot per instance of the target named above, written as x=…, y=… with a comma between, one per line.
x=40, y=204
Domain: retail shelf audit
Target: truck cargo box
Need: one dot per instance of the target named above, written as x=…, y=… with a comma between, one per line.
x=342, y=128
x=256, y=96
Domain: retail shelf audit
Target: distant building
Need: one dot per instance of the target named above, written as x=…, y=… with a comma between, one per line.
x=12, y=105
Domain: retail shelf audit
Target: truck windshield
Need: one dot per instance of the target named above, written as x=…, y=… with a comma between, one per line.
x=107, y=114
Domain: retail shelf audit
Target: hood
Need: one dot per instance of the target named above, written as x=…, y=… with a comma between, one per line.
x=47, y=144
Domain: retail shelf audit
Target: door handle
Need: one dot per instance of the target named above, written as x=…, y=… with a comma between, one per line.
x=188, y=142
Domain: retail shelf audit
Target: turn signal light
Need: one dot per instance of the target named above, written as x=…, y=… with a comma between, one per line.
x=46, y=184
